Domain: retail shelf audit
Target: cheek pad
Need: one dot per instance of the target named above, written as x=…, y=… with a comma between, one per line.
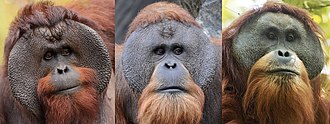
x=248, y=45
x=311, y=53
x=137, y=67
x=23, y=75
x=94, y=54
x=203, y=60
x=24, y=65
x=245, y=49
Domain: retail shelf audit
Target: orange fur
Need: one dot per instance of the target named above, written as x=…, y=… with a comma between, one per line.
x=81, y=106
x=271, y=98
x=182, y=108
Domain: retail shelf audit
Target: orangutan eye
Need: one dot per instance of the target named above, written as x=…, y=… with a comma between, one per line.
x=290, y=37
x=178, y=50
x=49, y=55
x=272, y=36
x=66, y=51
x=159, y=51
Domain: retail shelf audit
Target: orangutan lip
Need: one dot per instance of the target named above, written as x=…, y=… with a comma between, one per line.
x=171, y=89
x=284, y=71
x=68, y=90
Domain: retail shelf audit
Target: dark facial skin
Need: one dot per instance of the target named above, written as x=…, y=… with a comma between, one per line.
x=271, y=31
x=172, y=74
x=56, y=51
x=168, y=42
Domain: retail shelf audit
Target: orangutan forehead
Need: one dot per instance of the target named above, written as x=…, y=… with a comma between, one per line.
x=166, y=29
x=52, y=33
x=158, y=12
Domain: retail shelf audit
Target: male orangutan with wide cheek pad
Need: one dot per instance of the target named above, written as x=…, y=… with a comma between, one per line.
x=68, y=83
x=167, y=70
x=58, y=64
x=271, y=55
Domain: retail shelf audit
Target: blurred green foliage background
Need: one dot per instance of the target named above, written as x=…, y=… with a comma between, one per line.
x=8, y=11
x=319, y=10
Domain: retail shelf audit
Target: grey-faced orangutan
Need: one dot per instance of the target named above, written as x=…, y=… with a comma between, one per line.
x=167, y=71
x=272, y=57
x=58, y=64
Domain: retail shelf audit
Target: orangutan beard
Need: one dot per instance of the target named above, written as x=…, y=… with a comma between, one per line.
x=80, y=107
x=171, y=108
x=279, y=98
